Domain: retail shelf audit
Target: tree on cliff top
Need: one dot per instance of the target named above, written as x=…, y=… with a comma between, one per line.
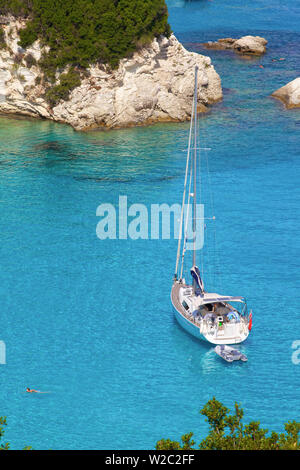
x=81, y=32
x=84, y=32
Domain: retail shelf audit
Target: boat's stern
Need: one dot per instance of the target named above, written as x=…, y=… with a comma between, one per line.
x=215, y=318
x=224, y=332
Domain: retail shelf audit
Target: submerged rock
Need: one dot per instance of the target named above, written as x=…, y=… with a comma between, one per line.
x=155, y=84
x=289, y=94
x=250, y=45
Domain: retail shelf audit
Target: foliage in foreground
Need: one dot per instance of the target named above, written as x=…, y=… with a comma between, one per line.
x=6, y=445
x=227, y=432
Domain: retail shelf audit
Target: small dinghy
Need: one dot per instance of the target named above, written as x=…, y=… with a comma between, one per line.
x=230, y=354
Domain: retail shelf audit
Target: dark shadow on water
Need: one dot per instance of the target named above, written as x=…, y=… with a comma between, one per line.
x=51, y=145
x=106, y=179
x=228, y=91
x=167, y=178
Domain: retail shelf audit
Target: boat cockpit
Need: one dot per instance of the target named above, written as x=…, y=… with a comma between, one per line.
x=219, y=313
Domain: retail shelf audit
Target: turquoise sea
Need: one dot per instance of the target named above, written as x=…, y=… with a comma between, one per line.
x=90, y=320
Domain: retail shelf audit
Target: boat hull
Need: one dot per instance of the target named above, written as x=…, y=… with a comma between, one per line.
x=187, y=325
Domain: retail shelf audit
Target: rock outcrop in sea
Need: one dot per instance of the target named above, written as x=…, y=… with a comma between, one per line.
x=289, y=94
x=155, y=84
x=249, y=45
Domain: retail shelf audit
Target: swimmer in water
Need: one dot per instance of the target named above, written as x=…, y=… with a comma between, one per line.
x=29, y=390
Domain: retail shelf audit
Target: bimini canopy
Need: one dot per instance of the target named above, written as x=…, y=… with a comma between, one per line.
x=213, y=298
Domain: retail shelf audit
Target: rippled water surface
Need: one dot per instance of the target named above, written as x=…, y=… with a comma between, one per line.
x=91, y=320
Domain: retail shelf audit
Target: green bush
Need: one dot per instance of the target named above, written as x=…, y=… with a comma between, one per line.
x=30, y=60
x=28, y=35
x=68, y=81
x=2, y=39
x=15, y=7
x=81, y=32
x=228, y=432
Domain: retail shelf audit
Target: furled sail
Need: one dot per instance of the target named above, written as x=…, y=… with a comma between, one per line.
x=195, y=272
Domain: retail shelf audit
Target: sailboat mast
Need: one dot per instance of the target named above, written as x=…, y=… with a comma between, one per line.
x=195, y=166
x=187, y=169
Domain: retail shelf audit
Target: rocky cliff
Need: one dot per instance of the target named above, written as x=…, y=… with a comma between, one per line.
x=155, y=84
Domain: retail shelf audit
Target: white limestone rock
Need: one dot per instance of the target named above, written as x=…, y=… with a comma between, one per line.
x=155, y=84
x=251, y=45
x=247, y=45
x=289, y=94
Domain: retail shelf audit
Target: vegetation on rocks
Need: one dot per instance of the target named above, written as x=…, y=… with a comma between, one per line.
x=227, y=432
x=30, y=60
x=2, y=40
x=83, y=32
x=68, y=81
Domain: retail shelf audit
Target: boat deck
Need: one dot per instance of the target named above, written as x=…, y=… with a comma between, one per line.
x=178, y=305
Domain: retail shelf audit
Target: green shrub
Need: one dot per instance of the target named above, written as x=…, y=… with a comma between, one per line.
x=107, y=31
x=30, y=60
x=68, y=81
x=84, y=32
x=28, y=35
x=228, y=432
x=15, y=7
x=2, y=39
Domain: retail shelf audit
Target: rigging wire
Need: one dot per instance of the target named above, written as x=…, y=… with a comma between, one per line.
x=184, y=195
x=214, y=265
x=186, y=223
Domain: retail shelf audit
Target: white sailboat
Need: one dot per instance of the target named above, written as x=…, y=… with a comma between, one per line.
x=218, y=319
